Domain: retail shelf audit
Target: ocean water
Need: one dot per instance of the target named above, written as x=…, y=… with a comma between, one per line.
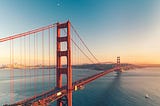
x=126, y=89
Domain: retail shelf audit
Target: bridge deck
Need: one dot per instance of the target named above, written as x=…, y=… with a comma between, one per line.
x=54, y=94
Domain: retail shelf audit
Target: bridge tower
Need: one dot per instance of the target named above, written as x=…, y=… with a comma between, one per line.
x=118, y=61
x=118, y=64
x=67, y=70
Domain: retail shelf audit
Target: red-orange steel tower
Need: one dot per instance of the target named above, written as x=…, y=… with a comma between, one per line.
x=118, y=61
x=68, y=68
x=118, y=64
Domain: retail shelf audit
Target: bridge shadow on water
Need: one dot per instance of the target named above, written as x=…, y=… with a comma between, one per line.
x=106, y=91
x=112, y=94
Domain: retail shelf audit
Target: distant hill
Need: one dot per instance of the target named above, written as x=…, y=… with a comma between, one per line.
x=101, y=66
x=149, y=65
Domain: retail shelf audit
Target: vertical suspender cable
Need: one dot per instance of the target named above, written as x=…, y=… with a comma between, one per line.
x=11, y=100
x=29, y=62
x=54, y=53
x=21, y=85
x=11, y=72
x=75, y=51
x=36, y=54
x=43, y=59
x=13, y=67
x=49, y=56
x=34, y=66
x=25, y=65
x=84, y=44
x=72, y=48
x=82, y=51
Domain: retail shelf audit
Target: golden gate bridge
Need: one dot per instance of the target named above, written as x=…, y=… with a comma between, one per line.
x=57, y=46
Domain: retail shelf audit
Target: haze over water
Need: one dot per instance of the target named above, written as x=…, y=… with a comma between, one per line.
x=126, y=89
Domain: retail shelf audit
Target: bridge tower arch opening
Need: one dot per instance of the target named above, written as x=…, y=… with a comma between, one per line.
x=60, y=70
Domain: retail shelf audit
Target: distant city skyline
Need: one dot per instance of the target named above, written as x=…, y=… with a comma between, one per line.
x=110, y=28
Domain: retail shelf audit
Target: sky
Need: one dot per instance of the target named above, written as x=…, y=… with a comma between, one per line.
x=110, y=28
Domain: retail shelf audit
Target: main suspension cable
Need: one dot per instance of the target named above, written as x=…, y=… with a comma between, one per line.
x=84, y=44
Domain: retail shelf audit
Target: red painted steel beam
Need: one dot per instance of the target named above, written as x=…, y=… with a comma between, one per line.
x=59, y=70
x=92, y=78
x=27, y=33
x=62, y=25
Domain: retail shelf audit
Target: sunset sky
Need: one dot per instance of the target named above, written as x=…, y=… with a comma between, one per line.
x=110, y=28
